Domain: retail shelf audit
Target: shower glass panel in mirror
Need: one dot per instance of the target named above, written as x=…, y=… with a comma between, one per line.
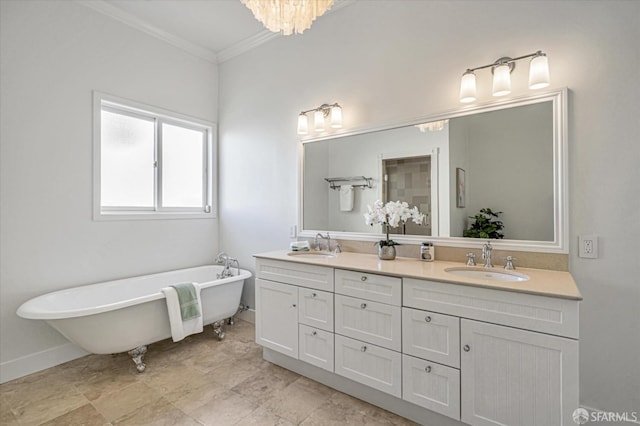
x=509, y=157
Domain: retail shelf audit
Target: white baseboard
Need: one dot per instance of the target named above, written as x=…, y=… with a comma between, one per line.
x=39, y=361
x=248, y=316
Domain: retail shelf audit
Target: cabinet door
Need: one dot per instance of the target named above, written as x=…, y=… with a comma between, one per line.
x=431, y=336
x=432, y=386
x=316, y=347
x=517, y=377
x=368, y=321
x=368, y=364
x=277, y=317
x=315, y=308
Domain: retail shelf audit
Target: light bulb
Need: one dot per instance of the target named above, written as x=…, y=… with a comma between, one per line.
x=336, y=117
x=468, y=87
x=318, y=120
x=539, y=71
x=502, y=80
x=303, y=124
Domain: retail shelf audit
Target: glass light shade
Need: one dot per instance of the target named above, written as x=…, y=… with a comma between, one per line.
x=318, y=121
x=501, y=80
x=468, y=87
x=303, y=124
x=539, y=72
x=336, y=117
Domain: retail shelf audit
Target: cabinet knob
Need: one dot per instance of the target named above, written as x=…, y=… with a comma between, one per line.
x=363, y=278
x=363, y=349
x=427, y=369
x=313, y=295
x=313, y=333
x=466, y=348
x=363, y=305
x=293, y=306
x=427, y=318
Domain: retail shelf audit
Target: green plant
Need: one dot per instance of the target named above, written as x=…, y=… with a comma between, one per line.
x=486, y=225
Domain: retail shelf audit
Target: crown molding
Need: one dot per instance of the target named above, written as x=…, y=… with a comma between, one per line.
x=246, y=45
x=137, y=23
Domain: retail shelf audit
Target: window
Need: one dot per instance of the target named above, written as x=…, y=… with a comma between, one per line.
x=149, y=163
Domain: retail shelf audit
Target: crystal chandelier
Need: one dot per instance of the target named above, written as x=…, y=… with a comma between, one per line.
x=287, y=16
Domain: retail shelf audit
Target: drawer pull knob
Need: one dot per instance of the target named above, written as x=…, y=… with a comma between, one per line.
x=293, y=306
x=427, y=369
x=427, y=318
x=363, y=349
x=313, y=333
x=466, y=348
x=363, y=305
x=363, y=278
x=313, y=295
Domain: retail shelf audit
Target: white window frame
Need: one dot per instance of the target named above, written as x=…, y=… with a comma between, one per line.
x=159, y=116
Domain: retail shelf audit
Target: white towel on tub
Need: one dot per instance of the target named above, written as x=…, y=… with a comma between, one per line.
x=346, y=198
x=181, y=329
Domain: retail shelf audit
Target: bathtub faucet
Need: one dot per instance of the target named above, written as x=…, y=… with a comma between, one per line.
x=224, y=259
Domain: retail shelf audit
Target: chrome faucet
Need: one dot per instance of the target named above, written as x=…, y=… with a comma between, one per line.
x=509, y=263
x=223, y=258
x=486, y=254
x=325, y=237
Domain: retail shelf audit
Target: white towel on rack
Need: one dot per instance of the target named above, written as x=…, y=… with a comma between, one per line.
x=346, y=198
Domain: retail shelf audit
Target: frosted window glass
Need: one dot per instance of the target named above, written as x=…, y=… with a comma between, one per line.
x=127, y=157
x=182, y=167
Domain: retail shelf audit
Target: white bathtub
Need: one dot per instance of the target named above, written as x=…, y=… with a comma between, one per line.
x=118, y=316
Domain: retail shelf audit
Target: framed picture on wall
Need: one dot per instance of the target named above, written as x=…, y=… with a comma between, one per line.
x=460, y=188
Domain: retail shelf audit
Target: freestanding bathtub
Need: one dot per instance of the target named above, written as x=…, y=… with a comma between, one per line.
x=128, y=314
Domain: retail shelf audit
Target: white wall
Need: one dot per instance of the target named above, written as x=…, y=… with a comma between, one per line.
x=387, y=61
x=54, y=53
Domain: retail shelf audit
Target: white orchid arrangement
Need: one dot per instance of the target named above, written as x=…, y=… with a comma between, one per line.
x=392, y=214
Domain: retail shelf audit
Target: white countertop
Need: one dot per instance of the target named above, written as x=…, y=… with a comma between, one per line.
x=541, y=282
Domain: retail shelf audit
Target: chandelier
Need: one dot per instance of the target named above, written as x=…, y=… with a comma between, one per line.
x=287, y=16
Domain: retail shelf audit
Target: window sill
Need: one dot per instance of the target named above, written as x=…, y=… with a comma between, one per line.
x=146, y=215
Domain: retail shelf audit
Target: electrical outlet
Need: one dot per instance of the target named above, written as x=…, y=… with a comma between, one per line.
x=588, y=246
x=293, y=231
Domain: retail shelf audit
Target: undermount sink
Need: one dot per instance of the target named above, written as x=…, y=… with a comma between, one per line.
x=313, y=254
x=487, y=274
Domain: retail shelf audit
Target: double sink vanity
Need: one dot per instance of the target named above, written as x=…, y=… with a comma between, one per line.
x=436, y=342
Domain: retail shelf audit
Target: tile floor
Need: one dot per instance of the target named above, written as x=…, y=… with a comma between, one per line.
x=199, y=381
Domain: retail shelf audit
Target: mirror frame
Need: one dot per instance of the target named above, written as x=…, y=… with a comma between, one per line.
x=560, y=243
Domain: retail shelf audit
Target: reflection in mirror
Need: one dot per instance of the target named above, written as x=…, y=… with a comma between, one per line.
x=508, y=157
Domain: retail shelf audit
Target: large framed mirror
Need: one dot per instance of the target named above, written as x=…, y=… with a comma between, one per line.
x=508, y=156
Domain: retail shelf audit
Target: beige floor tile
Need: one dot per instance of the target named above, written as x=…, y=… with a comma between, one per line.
x=263, y=417
x=225, y=409
x=119, y=403
x=174, y=378
x=86, y=415
x=233, y=372
x=265, y=383
x=64, y=399
x=99, y=382
x=298, y=400
x=158, y=413
x=190, y=398
x=6, y=415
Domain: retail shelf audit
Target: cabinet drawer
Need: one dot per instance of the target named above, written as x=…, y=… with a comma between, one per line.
x=312, y=276
x=528, y=311
x=368, y=321
x=368, y=364
x=315, y=308
x=315, y=346
x=378, y=288
x=432, y=386
x=431, y=336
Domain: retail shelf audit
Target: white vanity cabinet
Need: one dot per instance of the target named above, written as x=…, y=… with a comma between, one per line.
x=478, y=355
x=277, y=316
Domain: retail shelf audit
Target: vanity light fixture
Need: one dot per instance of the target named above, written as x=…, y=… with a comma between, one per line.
x=501, y=70
x=333, y=111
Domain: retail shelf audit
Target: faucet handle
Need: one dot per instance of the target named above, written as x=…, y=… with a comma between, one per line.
x=509, y=263
x=471, y=259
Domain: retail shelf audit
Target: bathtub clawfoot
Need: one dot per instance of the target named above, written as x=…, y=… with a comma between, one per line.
x=136, y=355
x=231, y=321
x=217, y=328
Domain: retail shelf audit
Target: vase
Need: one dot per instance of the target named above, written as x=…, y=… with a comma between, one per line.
x=387, y=252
